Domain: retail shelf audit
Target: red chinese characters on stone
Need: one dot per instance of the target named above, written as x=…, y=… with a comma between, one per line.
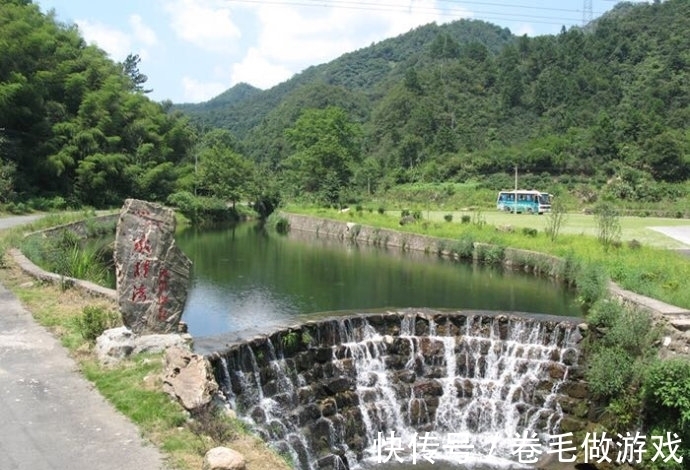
x=141, y=268
x=139, y=293
x=163, y=278
x=142, y=245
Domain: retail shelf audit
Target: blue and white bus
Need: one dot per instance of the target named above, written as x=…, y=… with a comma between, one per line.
x=530, y=202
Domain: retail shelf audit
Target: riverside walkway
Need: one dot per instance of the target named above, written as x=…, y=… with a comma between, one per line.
x=51, y=417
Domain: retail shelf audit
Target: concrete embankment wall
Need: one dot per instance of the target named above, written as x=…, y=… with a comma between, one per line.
x=513, y=258
x=81, y=229
x=531, y=261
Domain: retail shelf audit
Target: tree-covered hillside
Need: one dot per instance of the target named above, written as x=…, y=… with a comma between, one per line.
x=76, y=126
x=600, y=111
x=604, y=105
x=361, y=71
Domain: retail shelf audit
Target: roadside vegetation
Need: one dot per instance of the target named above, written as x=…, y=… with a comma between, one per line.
x=134, y=386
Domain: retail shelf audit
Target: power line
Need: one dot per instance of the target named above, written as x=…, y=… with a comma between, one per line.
x=444, y=12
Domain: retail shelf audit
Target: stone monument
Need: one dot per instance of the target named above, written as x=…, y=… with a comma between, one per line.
x=152, y=272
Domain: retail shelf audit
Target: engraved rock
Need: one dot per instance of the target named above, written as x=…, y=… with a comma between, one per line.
x=152, y=272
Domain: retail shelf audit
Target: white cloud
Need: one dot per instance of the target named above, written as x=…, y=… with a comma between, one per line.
x=523, y=29
x=196, y=91
x=142, y=32
x=205, y=23
x=115, y=42
x=259, y=71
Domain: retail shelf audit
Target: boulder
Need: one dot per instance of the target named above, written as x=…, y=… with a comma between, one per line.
x=223, y=458
x=188, y=378
x=152, y=273
x=117, y=344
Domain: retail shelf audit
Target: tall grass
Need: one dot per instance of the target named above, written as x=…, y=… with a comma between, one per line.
x=67, y=256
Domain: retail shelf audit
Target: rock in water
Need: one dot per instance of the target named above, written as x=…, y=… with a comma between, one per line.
x=152, y=272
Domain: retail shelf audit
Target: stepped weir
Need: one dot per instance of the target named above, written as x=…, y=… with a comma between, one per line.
x=331, y=393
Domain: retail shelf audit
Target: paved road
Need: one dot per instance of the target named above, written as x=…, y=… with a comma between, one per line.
x=680, y=233
x=51, y=418
x=9, y=222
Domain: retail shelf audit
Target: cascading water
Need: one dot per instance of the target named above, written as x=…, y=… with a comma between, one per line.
x=326, y=392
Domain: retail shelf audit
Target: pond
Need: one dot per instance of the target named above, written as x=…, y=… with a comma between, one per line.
x=245, y=278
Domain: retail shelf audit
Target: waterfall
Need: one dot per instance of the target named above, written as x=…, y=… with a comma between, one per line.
x=328, y=400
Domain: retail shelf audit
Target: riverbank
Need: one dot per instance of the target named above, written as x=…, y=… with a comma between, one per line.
x=637, y=267
x=675, y=319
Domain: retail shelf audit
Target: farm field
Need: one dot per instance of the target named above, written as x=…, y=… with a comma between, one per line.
x=637, y=228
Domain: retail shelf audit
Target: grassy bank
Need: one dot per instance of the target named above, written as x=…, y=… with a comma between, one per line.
x=634, y=264
x=135, y=386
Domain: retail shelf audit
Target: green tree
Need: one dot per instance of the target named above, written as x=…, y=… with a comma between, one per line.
x=224, y=174
x=555, y=218
x=326, y=146
x=608, y=224
x=130, y=67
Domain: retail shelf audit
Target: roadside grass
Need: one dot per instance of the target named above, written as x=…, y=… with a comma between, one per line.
x=641, y=268
x=134, y=386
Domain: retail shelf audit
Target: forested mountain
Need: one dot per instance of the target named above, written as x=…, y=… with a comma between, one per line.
x=609, y=103
x=362, y=71
x=229, y=97
x=606, y=107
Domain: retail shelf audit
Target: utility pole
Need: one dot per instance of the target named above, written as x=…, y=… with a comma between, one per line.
x=516, y=190
x=587, y=14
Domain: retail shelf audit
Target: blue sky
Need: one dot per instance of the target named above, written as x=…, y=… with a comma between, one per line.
x=193, y=50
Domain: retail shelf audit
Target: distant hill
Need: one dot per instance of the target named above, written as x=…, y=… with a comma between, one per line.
x=604, y=105
x=229, y=97
x=242, y=107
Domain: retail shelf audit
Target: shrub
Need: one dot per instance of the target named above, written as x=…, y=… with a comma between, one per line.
x=634, y=244
x=417, y=215
x=381, y=210
x=448, y=217
x=282, y=225
x=633, y=331
x=529, y=231
x=610, y=371
x=555, y=219
x=465, y=219
x=405, y=213
x=479, y=219
x=93, y=321
x=666, y=389
x=608, y=224
x=490, y=254
x=210, y=421
x=359, y=208
x=604, y=313
x=591, y=282
x=464, y=247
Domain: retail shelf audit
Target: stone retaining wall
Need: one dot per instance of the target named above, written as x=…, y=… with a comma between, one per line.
x=82, y=229
x=333, y=381
x=514, y=258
